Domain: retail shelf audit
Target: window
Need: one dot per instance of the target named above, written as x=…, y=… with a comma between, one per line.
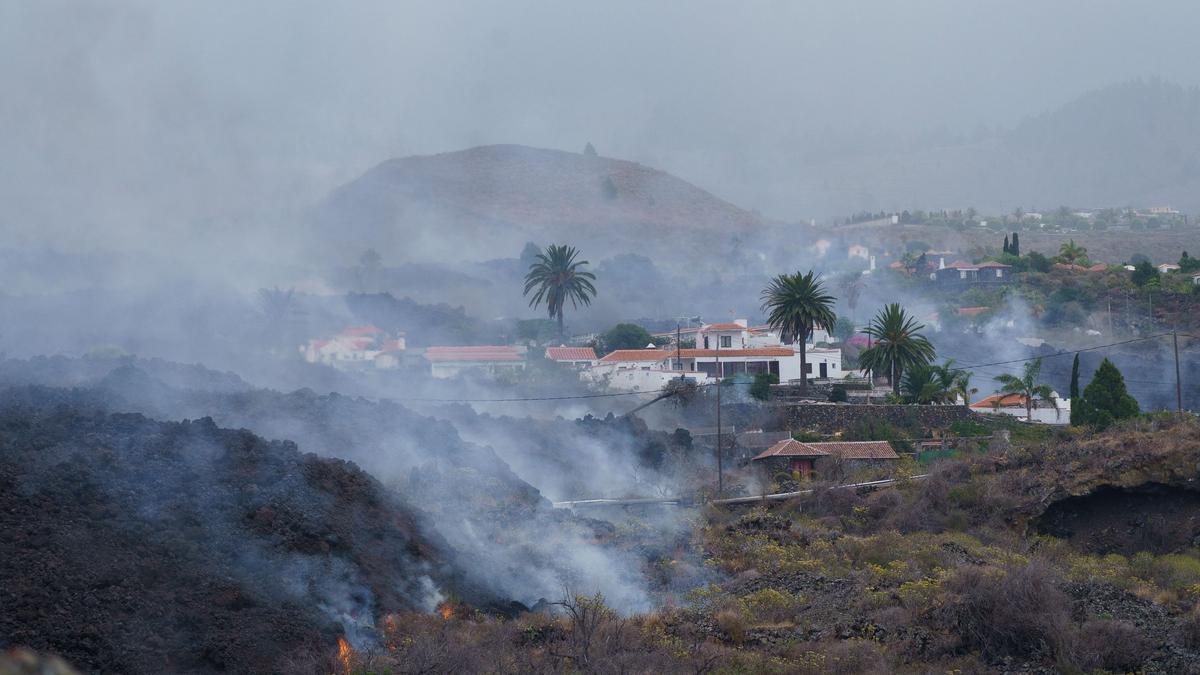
x=726, y=341
x=706, y=342
x=808, y=369
x=962, y=274
x=999, y=274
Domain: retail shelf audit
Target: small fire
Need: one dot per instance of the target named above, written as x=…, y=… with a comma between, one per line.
x=344, y=654
x=446, y=610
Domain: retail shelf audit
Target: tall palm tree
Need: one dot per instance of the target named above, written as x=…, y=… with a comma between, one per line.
x=795, y=304
x=898, y=346
x=556, y=277
x=1026, y=385
x=852, y=285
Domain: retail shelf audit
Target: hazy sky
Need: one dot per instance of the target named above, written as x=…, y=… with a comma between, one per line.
x=175, y=116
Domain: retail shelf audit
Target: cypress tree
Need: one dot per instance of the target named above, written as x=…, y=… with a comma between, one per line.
x=1105, y=399
x=1015, y=247
x=1006, y=244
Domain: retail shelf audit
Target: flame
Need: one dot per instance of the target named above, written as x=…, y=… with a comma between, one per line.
x=344, y=654
x=446, y=610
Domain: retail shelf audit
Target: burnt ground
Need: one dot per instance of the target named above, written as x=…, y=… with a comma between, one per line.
x=131, y=545
x=1152, y=517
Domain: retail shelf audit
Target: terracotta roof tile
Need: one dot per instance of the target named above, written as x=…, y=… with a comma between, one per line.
x=571, y=353
x=624, y=355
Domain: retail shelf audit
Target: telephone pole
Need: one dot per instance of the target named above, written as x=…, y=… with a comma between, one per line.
x=720, y=469
x=1178, y=380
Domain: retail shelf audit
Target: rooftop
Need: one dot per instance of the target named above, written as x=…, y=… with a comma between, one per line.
x=843, y=449
x=570, y=353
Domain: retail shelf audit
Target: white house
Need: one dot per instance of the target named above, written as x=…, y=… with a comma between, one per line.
x=1196, y=279
x=447, y=362
x=1055, y=411
x=660, y=365
x=1168, y=267
x=576, y=357
x=357, y=347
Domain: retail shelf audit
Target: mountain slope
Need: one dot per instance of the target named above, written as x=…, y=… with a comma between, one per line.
x=491, y=199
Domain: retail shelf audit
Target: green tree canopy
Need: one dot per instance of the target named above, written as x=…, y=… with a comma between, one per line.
x=795, y=304
x=1105, y=400
x=557, y=277
x=623, y=336
x=1072, y=253
x=1143, y=273
x=898, y=346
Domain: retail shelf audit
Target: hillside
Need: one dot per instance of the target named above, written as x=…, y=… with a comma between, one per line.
x=489, y=200
x=1128, y=144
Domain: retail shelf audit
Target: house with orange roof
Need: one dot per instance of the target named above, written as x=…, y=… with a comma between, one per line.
x=808, y=460
x=448, y=362
x=356, y=348
x=1056, y=410
x=576, y=357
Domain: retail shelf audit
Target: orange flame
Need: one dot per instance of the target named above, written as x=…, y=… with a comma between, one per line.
x=344, y=653
x=446, y=610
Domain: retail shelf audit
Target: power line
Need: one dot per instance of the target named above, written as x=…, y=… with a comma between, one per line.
x=1064, y=353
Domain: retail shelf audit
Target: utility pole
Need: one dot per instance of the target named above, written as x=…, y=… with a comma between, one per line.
x=1178, y=381
x=678, y=359
x=720, y=468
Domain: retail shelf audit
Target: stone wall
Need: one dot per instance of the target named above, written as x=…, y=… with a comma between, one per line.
x=830, y=418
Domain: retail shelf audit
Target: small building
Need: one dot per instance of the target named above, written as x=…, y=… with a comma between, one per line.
x=1057, y=410
x=447, y=362
x=808, y=460
x=1196, y=279
x=1167, y=267
x=960, y=273
x=576, y=357
x=357, y=348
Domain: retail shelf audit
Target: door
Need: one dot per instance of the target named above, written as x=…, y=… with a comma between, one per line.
x=824, y=370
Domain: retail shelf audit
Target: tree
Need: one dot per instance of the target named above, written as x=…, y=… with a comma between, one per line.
x=1015, y=247
x=1075, y=389
x=556, y=277
x=1026, y=385
x=843, y=329
x=1006, y=248
x=795, y=304
x=898, y=346
x=589, y=149
x=1143, y=273
x=1188, y=264
x=1105, y=399
x=529, y=255
x=1072, y=253
x=369, y=264
x=929, y=384
x=624, y=336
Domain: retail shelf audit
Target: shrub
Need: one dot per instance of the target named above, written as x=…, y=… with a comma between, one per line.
x=1017, y=612
x=1109, y=645
x=838, y=394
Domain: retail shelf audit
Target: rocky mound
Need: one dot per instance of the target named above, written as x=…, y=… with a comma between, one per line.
x=132, y=545
x=497, y=197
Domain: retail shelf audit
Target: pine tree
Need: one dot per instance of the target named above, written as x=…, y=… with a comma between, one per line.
x=1006, y=244
x=589, y=149
x=1015, y=247
x=1075, y=390
x=1105, y=400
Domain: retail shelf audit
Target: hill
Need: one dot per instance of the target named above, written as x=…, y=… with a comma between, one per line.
x=491, y=199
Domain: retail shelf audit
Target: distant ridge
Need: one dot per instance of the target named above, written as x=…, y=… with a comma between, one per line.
x=496, y=197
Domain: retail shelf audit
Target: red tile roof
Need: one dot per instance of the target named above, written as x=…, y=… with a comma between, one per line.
x=844, y=449
x=724, y=326
x=474, y=353
x=392, y=346
x=1004, y=400
x=571, y=353
x=971, y=311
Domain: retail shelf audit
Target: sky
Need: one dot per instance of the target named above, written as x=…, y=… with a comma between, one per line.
x=129, y=123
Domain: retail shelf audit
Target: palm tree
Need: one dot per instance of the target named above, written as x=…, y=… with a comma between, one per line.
x=795, y=304
x=557, y=277
x=898, y=346
x=1026, y=385
x=1072, y=253
x=852, y=285
x=934, y=385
